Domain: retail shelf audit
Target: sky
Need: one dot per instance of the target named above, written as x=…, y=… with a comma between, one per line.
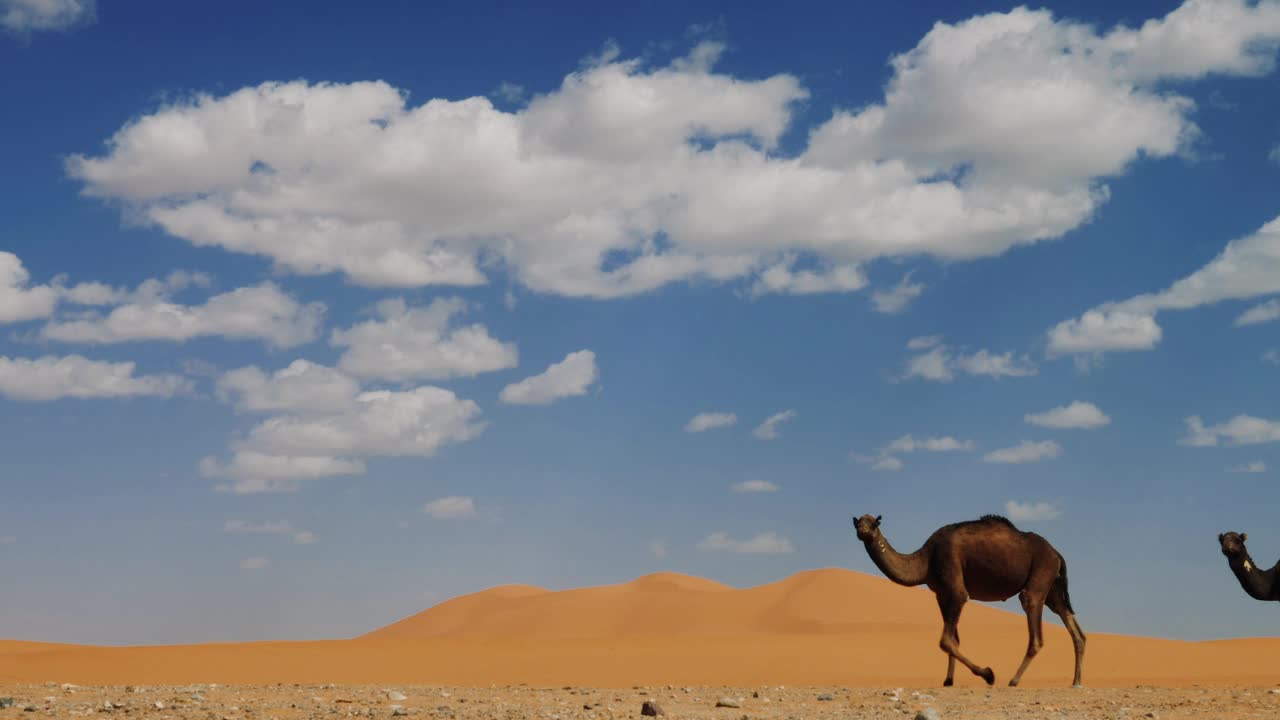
x=312, y=316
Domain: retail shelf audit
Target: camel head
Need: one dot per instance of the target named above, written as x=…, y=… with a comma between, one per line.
x=867, y=527
x=1232, y=543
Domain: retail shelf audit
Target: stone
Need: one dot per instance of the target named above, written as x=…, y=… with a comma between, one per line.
x=728, y=702
x=651, y=709
x=159, y=705
x=826, y=697
x=396, y=695
x=6, y=702
x=928, y=714
x=398, y=710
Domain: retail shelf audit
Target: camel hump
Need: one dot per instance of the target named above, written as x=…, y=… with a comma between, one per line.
x=997, y=519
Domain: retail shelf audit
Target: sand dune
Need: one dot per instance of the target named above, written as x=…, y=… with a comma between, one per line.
x=821, y=627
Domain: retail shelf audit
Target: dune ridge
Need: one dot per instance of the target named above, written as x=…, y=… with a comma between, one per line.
x=817, y=627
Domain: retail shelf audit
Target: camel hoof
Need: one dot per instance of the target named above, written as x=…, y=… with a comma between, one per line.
x=1013, y=683
x=989, y=676
x=1077, y=686
x=948, y=682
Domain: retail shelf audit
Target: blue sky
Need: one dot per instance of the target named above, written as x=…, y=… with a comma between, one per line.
x=311, y=317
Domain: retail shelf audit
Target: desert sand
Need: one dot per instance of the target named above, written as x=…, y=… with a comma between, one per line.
x=683, y=641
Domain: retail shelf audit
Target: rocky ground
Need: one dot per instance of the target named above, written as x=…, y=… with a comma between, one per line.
x=228, y=702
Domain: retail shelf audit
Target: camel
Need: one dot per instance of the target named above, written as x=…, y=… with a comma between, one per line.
x=1258, y=583
x=985, y=559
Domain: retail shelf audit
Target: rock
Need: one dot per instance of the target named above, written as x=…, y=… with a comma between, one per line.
x=159, y=705
x=396, y=695
x=398, y=710
x=6, y=702
x=826, y=697
x=928, y=714
x=728, y=702
x=651, y=709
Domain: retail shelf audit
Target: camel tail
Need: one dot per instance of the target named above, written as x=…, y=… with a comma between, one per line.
x=1060, y=584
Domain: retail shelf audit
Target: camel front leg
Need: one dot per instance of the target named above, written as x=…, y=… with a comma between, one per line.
x=950, y=642
x=951, y=671
x=1034, y=607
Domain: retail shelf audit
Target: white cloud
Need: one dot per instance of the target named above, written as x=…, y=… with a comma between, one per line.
x=923, y=342
x=409, y=343
x=755, y=486
x=1248, y=267
x=1257, y=466
x=450, y=507
x=19, y=300
x=1271, y=356
x=23, y=16
x=909, y=443
x=301, y=387
x=1239, y=430
x=936, y=361
x=897, y=298
x=886, y=458
x=259, y=312
x=510, y=92
x=768, y=430
x=658, y=548
x=282, y=450
x=1030, y=511
x=570, y=377
x=72, y=376
x=258, y=472
x=769, y=543
x=628, y=177
x=1274, y=155
x=1025, y=452
x=254, y=563
x=272, y=527
x=1261, y=313
x=1082, y=415
x=710, y=421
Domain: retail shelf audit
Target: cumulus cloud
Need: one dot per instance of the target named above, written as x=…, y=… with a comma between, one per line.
x=303, y=386
x=25, y=16
x=658, y=548
x=254, y=563
x=271, y=527
x=769, y=543
x=261, y=312
x=897, y=298
x=1030, y=511
x=710, y=421
x=281, y=451
x=936, y=361
x=19, y=300
x=1257, y=466
x=73, y=376
x=887, y=457
x=1024, y=452
x=1248, y=267
x=1079, y=414
x=755, y=486
x=408, y=343
x=628, y=176
x=450, y=507
x=768, y=430
x=570, y=377
x=1239, y=430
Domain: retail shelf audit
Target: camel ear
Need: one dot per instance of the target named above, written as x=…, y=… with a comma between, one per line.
x=1220, y=536
x=878, y=520
x=1244, y=536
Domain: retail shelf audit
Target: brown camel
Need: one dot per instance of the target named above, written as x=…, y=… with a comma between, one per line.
x=986, y=559
x=1260, y=584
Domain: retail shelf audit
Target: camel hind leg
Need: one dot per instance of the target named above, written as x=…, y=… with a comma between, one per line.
x=951, y=604
x=1060, y=604
x=1033, y=605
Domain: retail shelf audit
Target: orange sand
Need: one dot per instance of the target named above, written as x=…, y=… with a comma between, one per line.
x=822, y=627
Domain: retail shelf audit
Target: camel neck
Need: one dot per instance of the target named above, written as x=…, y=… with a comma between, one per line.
x=909, y=570
x=1259, y=583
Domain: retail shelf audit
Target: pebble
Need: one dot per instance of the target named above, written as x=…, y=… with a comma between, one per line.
x=398, y=710
x=6, y=702
x=928, y=714
x=651, y=709
x=826, y=697
x=396, y=695
x=728, y=702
